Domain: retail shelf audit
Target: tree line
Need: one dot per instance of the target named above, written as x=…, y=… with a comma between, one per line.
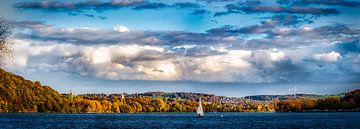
x=349, y=102
x=20, y=95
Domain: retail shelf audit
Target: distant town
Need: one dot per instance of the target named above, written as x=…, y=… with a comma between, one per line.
x=211, y=98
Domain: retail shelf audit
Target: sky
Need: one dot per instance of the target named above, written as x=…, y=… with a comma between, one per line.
x=222, y=47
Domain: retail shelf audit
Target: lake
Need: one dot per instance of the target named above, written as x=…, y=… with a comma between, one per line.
x=182, y=120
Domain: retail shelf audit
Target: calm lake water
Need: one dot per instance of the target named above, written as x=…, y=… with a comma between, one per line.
x=182, y=120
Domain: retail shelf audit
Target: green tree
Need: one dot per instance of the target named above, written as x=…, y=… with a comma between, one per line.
x=178, y=107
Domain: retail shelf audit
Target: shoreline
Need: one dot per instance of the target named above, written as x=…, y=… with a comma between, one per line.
x=314, y=111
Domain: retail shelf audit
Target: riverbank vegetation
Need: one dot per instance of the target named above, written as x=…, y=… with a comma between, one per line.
x=350, y=102
x=20, y=95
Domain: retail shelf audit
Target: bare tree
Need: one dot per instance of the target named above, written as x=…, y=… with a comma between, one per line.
x=5, y=31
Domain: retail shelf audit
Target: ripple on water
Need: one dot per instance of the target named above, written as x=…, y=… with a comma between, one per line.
x=182, y=120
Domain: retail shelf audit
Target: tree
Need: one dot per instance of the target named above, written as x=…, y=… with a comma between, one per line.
x=138, y=107
x=5, y=32
x=330, y=103
x=159, y=105
x=178, y=107
x=259, y=108
x=353, y=98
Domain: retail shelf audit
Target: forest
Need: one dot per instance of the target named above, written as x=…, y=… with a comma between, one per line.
x=350, y=102
x=20, y=95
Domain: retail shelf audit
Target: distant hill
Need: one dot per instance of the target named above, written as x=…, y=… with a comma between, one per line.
x=285, y=97
x=20, y=95
x=182, y=95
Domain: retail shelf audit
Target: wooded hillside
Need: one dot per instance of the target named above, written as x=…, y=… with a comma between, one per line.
x=20, y=95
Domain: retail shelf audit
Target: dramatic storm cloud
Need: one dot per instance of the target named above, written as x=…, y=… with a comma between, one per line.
x=124, y=54
x=76, y=8
x=321, y=2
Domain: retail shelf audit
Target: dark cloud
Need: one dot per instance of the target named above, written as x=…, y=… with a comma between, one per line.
x=31, y=24
x=41, y=31
x=149, y=5
x=231, y=1
x=278, y=9
x=247, y=7
x=232, y=7
x=187, y=5
x=102, y=17
x=90, y=15
x=287, y=20
x=197, y=51
x=286, y=71
x=265, y=26
x=325, y=34
x=270, y=28
x=253, y=2
x=224, y=29
x=337, y=29
x=143, y=56
x=76, y=8
x=217, y=14
x=279, y=70
x=251, y=8
x=266, y=43
x=59, y=6
x=320, y=2
x=80, y=8
x=200, y=11
x=274, y=35
x=179, y=5
x=214, y=1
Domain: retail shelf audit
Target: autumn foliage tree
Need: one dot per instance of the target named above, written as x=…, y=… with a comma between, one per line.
x=20, y=95
x=350, y=102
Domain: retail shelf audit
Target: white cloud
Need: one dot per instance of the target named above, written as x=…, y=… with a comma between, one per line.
x=130, y=62
x=121, y=28
x=327, y=57
x=21, y=51
x=265, y=58
x=100, y=55
x=139, y=62
x=307, y=28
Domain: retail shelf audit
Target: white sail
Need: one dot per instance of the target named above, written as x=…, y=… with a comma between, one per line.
x=200, y=111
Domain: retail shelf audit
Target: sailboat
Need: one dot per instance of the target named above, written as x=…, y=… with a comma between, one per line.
x=200, y=111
